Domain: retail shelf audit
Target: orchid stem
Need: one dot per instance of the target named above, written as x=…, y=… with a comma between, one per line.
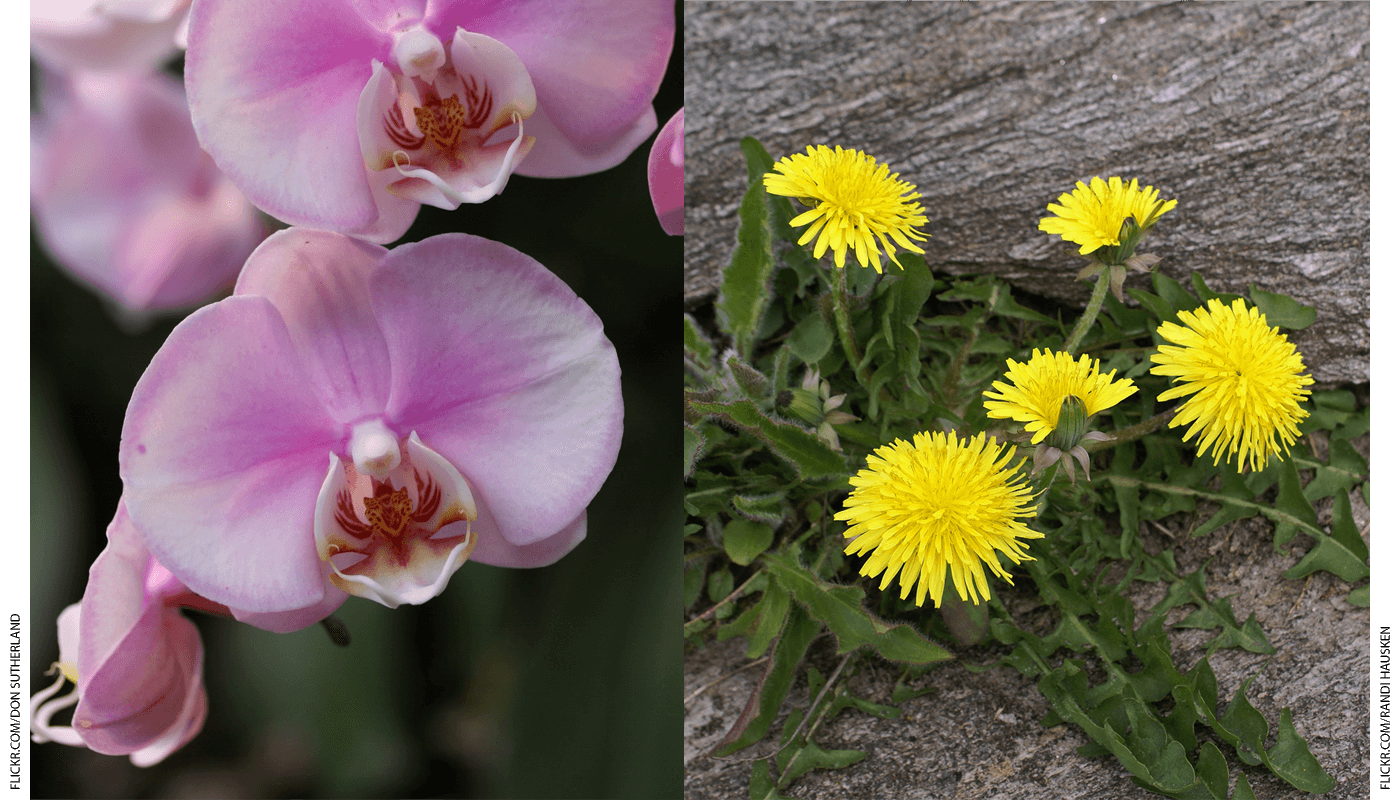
x=340, y=635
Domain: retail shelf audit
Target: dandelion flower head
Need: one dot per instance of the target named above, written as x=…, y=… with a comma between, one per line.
x=936, y=505
x=1244, y=378
x=855, y=200
x=1039, y=387
x=1092, y=216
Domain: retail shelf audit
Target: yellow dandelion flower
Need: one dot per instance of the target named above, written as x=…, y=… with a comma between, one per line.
x=934, y=505
x=1092, y=216
x=855, y=201
x=1245, y=379
x=1039, y=387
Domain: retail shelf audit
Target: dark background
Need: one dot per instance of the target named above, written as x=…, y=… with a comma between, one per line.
x=556, y=682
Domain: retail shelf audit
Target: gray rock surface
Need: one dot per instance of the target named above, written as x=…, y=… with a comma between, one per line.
x=979, y=735
x=1254, y=116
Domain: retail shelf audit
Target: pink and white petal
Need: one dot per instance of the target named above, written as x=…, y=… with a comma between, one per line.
x=124, y=198
x=483, y=176
x=68, y=640
x=396, y=214
x=129, y=660
x=296, y=619
x=493, y=548
x=221, y=458
x=115, y=598
x=273, y=88
x=192, y=714
x=595, y=67
x=500, y=73
x=379, y=97
x=319, y=283
x=505, y=372
x=74, y=34
x=666, y=175
x=560, y=154
x=137, y=691
x=191, y=246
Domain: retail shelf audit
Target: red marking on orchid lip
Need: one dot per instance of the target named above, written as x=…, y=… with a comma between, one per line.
x=441, y=119
x=390, y=513
x=479, y=103
x=397, y=130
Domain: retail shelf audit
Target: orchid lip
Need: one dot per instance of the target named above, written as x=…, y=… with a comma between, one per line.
x=393, y=521
x=433, y=114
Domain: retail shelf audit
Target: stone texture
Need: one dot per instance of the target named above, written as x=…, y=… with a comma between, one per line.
x=979, y=736
x=1254, y=116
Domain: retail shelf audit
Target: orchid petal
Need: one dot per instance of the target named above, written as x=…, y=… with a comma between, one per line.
x=319, y=283
x=493, y=548
x=284, y=129
x=595, y=69
x=222, y=437
x=506, y=372
x=666, y=175
x=137, y=660
x=124, y=36
x=124, y=198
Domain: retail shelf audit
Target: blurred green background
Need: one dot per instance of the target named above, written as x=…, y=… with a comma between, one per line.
x=556, y=682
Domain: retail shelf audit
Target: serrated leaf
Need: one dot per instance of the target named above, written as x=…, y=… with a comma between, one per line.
x=1007, y=306
x=770, y=509
x=804, y=451
x=1171, y=290
x=697, y=345
x=744, y=290
x=1147, y=752
x=1344, y=469
x=758, y=162
x=1244, y=727
x=761, y=783
x=1360, y=597
x=1290, y=495
x=1291, y=760
x=751, y=381
x=745, y=539
x=756, y=158
x=840, y=608
x=772, y=613
x=1198, y=284
x=767, y=698
x=1160, y=308
x=1343, y=553
x=811, y=757
x=1282, y=311
x=1232, y=485
x=692, y=449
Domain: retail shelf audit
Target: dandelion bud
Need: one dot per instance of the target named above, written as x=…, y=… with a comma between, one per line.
x=804, y=405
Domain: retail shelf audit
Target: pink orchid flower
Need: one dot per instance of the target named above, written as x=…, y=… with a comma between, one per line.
x=666, y=175
x=126, y=201
x=357, y=420
x=106, y=34
x=347, y=115
x=136, y=662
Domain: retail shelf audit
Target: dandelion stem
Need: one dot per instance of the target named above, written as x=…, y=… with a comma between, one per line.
x=841, y=308
x=1131, y=433
x=1090, y=314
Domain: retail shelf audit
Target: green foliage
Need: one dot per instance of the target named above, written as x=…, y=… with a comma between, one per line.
x=795, y=383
